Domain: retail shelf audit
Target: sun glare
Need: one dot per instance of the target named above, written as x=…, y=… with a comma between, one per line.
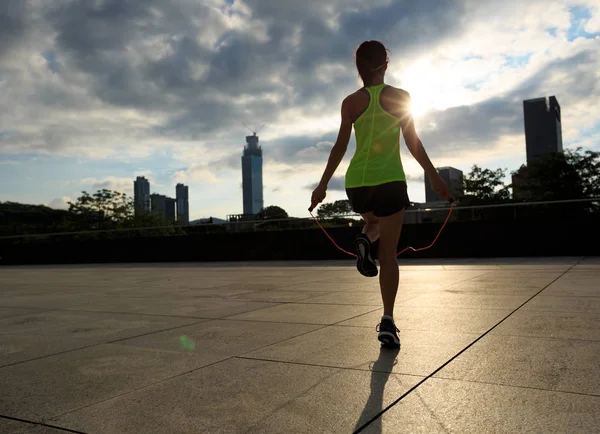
x=423, y=83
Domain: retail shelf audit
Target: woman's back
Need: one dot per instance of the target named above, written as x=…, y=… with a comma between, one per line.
x=379, y=113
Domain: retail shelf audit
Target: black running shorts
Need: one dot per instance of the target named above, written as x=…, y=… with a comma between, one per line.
x=382, y=200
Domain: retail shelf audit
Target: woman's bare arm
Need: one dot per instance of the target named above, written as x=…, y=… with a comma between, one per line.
x=341, y=144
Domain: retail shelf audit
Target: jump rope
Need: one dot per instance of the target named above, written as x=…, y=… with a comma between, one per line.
x=310, y=210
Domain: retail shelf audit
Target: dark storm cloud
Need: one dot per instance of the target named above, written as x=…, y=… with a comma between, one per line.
x=337, y=183
x=404, y=27
x=95, y=35
x=13, y=24
x=88, y=27
x=241, y=70
x=579, y=79
x=480, y=125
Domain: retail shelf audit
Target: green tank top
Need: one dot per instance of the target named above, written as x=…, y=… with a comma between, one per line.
x=377, y=157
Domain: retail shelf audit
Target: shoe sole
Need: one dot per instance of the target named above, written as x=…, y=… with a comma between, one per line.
x=364, y=263
x=388, y=340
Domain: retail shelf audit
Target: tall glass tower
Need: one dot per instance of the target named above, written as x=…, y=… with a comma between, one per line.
x=543, y=130
x=141, y=195
x=252, y=183
x=183, y=206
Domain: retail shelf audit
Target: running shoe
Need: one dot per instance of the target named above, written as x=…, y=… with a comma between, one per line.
x=365, y=264
x=388, y=334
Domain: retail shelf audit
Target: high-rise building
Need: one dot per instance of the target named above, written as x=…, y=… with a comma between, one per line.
x=454, y=179
x=141, y=195
x=170, y=206
x=163, y=206
x=183, y=206
x=543, y=130
x=252, y=184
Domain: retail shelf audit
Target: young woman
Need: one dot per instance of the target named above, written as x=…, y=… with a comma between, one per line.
x=375, y=180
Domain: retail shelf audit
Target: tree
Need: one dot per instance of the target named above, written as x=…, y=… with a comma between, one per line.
x=19, y=219
x=484, y=186
x=271, y=213
x=571, y=174
x=336, y=209
x=107, y=209
x=588, y=168
x=567, y=175
x=104, y=207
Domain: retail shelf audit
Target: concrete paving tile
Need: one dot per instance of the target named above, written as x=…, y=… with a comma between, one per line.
x=551, y=364
x=6, y=312
x=8, y=426
x=445, y=406
x=278, y=296
x=305, y=313
x=35, y=335
x=560, y=325
x=333, y=286
x=414, y=275
x=575, y=285
x=248, y=396
x=550, y=303
x=197, y=307
x=370, y=298
x=48, y=300
x=354, y=347
x=515, y=278
x=466, y=301
x=435, y=319
x=179, y=292
x=220, y=338
x=64, y=382
x=494, y=287
x=589, y=264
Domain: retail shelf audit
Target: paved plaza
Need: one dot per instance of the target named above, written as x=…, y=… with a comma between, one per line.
x=488, y=346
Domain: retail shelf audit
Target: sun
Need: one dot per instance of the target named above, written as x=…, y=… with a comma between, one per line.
x=421, y=83
x=419, y=104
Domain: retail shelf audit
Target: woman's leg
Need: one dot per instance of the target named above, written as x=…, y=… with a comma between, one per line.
x=365, y=264
x=371, y=228
x=390, y=228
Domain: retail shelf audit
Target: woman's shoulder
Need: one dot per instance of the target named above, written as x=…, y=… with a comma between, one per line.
x=397, y=92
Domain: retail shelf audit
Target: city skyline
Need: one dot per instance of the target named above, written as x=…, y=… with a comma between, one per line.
x=92, y=108
x=173, y=209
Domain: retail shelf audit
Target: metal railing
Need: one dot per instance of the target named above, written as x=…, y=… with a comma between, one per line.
x=421, y=215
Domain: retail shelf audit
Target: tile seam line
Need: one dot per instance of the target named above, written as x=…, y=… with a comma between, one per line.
x=489, y=383
x=388, y=407
x=98, y=344
x=16, y=419
x=175, y=376
x=56, y=416
x=317, y=365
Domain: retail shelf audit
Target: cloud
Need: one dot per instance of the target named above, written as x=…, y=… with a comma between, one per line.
x=337, y=183
x=60, y=202
x=121, y=185
x=128, y=80
x=196, y=173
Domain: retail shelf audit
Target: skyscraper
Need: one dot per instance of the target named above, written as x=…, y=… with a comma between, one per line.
x=183, y=206
x=454, y=179
x=252, y=184
x=543, y=130
x=163, y=206
x=141, y=195
x=170, y=205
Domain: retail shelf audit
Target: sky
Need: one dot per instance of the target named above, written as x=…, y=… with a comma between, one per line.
x=97, y=92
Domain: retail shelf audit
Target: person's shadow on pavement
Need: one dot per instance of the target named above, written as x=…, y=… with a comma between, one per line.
x=380, y=372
